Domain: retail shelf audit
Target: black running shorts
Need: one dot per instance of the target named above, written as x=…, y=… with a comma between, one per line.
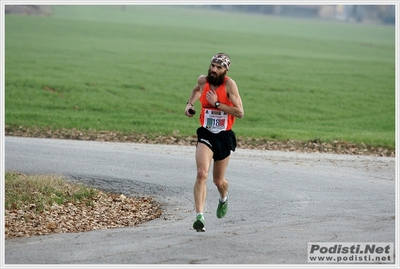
x=221, y=144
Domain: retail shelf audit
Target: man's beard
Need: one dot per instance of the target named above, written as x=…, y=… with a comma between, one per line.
x=215, y=80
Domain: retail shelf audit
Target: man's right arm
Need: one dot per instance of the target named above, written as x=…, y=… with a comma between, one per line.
x=195, y=94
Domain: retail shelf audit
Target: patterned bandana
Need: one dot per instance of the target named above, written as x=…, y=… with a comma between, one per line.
x=222, y=60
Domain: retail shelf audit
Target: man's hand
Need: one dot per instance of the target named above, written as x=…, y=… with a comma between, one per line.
x=189, y=111
x=212, y=97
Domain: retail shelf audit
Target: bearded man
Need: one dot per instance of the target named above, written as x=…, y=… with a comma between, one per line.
x=220, y=105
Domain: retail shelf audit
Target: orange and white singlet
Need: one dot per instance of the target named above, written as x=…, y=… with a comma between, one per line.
x=212, y=118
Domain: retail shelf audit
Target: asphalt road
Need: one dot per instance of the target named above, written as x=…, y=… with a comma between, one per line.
x=279, y=201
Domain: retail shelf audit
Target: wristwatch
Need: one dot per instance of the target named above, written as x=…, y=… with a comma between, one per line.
x=217, y=104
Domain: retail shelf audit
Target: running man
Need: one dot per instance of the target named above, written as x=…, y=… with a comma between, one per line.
x=220, y=105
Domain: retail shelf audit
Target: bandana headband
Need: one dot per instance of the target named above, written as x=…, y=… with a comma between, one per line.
x=222, y=60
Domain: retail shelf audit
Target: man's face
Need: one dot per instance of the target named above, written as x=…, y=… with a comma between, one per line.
x=216, y=74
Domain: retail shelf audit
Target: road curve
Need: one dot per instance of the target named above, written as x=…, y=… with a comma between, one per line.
x=279, y=201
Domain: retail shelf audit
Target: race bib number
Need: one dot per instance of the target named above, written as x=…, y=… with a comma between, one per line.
x=215, y=120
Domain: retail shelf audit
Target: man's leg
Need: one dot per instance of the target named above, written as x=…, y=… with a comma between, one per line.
x=203, y=161
x=222, y=185
x=219, y=176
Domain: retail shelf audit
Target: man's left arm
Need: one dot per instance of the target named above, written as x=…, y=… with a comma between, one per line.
x=233, y=95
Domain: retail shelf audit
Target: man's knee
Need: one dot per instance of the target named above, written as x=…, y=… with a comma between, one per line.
x=220, y=182
x=202, y=175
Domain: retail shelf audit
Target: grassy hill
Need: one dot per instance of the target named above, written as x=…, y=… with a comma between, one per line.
x=131, y=70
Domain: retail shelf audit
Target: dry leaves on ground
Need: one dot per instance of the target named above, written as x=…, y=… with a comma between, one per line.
x=107, y=211
x=314, y=146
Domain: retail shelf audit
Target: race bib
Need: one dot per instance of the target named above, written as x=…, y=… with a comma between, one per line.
x=215, y=120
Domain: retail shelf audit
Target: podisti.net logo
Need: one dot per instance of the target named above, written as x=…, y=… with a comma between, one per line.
x=347, y=252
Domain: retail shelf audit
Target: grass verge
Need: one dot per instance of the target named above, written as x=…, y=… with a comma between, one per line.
x=46, y=204
x=39, y=192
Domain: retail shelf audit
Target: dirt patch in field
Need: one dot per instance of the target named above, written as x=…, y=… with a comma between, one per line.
x=37, y=10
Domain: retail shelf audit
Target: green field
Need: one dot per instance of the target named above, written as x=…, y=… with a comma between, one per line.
x=132, y=70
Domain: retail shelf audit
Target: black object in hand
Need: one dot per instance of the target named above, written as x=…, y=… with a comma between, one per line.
x=191, y=111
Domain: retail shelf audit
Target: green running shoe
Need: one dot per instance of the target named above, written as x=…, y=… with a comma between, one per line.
x=198, y=225
x=222, y=209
